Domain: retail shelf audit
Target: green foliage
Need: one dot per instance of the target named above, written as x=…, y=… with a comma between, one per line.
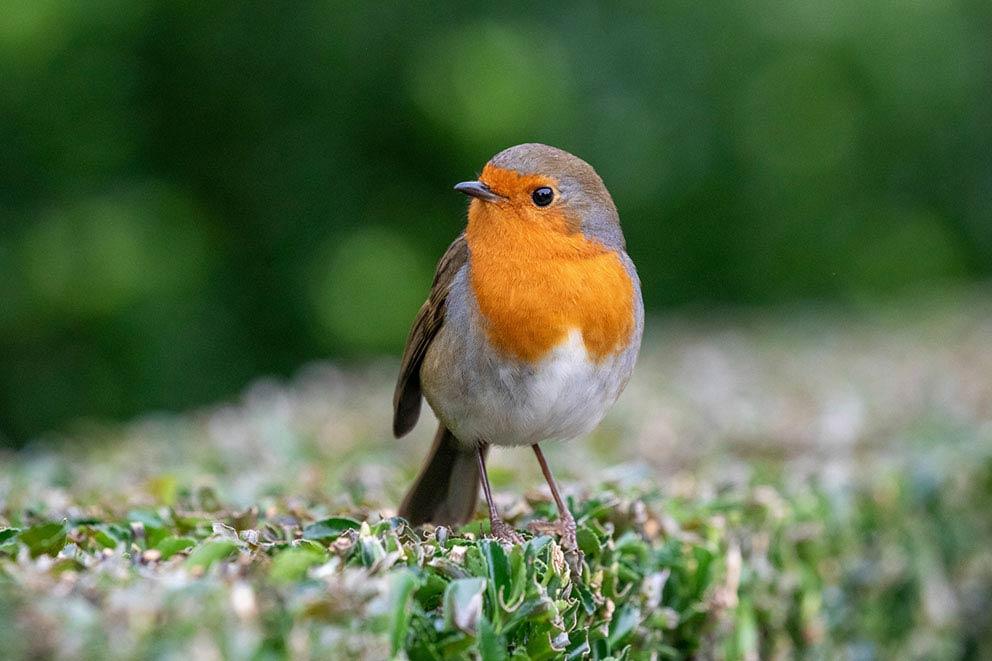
x=210, y=552
x=816, y=488
x=292, y=564
x=758, y=573
x=171, y=545
x=193, y=194
x=44, y=538
x=329, y=529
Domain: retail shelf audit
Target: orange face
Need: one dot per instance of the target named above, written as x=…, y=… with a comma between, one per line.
x=519, y=189
x=536, y=277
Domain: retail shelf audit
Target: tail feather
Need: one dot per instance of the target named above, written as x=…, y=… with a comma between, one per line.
x=447, y=489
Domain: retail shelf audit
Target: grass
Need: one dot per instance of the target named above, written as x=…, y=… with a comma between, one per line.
x=767, y=489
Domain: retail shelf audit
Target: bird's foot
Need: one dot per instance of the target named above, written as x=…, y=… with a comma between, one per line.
x=565, y=529
x=504, y=532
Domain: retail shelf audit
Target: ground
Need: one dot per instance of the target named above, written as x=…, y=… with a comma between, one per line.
x=775, y=484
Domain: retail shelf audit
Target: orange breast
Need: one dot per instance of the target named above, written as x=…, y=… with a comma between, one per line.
x=535, y=280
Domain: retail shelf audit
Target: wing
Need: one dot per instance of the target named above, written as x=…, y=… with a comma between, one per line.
x=406, y=398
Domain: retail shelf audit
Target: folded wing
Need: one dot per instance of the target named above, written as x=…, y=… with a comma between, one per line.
x=406, y=398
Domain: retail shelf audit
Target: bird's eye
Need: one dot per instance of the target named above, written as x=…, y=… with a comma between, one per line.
x=542, y=196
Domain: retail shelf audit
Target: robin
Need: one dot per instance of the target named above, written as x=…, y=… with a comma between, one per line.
x=530, y=332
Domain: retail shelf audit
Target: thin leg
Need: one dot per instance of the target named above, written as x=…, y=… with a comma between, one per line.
x=500, y=529
x=566, y=522
x=550, y=479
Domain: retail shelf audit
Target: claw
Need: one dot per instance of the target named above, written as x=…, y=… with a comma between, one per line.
x=505, y=532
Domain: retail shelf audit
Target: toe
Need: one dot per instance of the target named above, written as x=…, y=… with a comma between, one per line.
x=543, y=527
x=505, y=533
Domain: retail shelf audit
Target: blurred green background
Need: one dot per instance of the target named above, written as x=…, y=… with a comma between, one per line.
x=192, y=194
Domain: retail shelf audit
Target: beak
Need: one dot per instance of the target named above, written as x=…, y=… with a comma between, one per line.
x=479, y=190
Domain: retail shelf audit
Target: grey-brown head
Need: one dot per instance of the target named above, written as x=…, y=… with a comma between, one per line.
x=548, y=177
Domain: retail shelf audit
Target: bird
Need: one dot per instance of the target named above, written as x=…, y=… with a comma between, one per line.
x=529, y=334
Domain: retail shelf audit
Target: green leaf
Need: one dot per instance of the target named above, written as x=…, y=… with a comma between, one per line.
x=45, y=538
x=402, y=586
x=519, y=568
x=169, y=546
x=66, y=564
x=492, y=646
x=372, y=550
x=119, y=532
x=164, y=488
x=312, y=545
x=292, y=564
x=536, y=544
x=8, y=540
x=586, y=598
x=148, y=518
x=578, y=645
x=746, y=631
x=624, y=621
x=463, y=604
x=588, y=542
x=102, y=538
x=210, y=552
x=498, y=569
x=455, y=646
x=154, y=535
x=431, y=592
x=327, y=530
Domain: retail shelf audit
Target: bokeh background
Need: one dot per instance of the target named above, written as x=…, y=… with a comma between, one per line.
x=194, y=194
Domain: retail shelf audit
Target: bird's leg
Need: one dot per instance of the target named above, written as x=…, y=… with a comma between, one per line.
x=500, y=529
x=565, y=525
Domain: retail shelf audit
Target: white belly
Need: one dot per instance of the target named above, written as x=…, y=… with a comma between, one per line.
x=564, y=396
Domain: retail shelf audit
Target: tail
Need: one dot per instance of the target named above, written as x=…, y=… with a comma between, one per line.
x=447, y=489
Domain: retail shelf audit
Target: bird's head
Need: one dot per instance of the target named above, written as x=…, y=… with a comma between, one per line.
x=546, y=189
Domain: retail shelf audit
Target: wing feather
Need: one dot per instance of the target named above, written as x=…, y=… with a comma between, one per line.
x=406, y=398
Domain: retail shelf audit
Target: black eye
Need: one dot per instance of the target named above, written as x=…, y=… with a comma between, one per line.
x=542, y=196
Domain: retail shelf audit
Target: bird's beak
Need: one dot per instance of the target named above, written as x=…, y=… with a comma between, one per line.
x=479, y=190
